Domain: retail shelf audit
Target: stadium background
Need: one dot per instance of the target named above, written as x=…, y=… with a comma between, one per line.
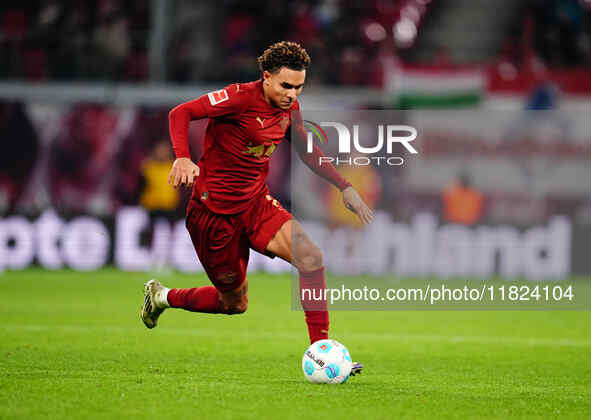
x=85, y=88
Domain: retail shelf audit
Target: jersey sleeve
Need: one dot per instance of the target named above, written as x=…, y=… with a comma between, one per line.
x=297, y=136
x=224, y=102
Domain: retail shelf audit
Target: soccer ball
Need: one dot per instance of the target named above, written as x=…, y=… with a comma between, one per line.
x=327, y=362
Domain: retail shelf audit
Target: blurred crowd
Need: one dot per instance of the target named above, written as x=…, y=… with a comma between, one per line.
x=550, y=34
x=92, y=158
x=87, y=158
x=74, y=40
x=97, y=158
x=351, y=41
x=561, y=31
x=108, y=39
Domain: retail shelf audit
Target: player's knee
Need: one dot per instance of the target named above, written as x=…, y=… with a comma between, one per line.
x=235, y=308
x=311, y=259
x=241, y=307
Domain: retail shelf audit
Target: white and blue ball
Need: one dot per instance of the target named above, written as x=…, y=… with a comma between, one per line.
x=327, y=362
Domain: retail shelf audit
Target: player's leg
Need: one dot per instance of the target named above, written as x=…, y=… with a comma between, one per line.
x=293, y=245
x=229, y=300
x=226, y=269
x=158, y=298
x=272, y=231
x=224, y=253
x=207, y=299
x=235, y=301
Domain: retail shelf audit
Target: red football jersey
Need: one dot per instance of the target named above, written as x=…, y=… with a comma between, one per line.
x=242, y=133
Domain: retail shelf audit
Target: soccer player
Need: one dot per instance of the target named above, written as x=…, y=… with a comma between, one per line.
x=231, y=209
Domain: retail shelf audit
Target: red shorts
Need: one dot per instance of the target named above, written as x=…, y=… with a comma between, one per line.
x=223, y=241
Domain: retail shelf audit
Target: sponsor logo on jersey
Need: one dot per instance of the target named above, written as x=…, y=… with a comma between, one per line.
x=260, y=151
x=217, y=96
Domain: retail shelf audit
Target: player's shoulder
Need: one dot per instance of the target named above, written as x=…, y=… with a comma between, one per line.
x=249, y=87
x=244, y=90
x=235, y=93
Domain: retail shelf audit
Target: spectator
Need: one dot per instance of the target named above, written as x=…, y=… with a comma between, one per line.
x=157, y=195
x=80, y=158
x=150, y=125
x=462, y=203
x=21, y=149
x=113, y=46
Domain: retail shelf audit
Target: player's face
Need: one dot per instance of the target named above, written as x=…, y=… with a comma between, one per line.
x=281, y=88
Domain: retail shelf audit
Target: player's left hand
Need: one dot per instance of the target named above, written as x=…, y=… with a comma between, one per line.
x=356, y=204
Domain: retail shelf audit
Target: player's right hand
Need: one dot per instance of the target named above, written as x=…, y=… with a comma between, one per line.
x=183, y=173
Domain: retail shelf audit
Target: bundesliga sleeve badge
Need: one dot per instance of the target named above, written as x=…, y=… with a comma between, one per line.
x=217, y=96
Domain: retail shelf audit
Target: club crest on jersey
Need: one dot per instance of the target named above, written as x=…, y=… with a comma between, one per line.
x=217, y=96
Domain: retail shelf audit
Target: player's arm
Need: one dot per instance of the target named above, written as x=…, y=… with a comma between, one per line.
x=214, y=104
x=296, y=134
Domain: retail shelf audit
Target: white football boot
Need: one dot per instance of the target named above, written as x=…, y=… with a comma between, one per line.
x=155, y=302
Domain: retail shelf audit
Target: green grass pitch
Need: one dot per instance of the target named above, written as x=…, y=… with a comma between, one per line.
x=72, y=346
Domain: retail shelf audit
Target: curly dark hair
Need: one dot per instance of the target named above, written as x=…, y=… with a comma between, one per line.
x=284, y=53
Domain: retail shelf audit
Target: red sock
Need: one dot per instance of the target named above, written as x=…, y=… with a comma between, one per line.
x=201, y=299
x=314, y=303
